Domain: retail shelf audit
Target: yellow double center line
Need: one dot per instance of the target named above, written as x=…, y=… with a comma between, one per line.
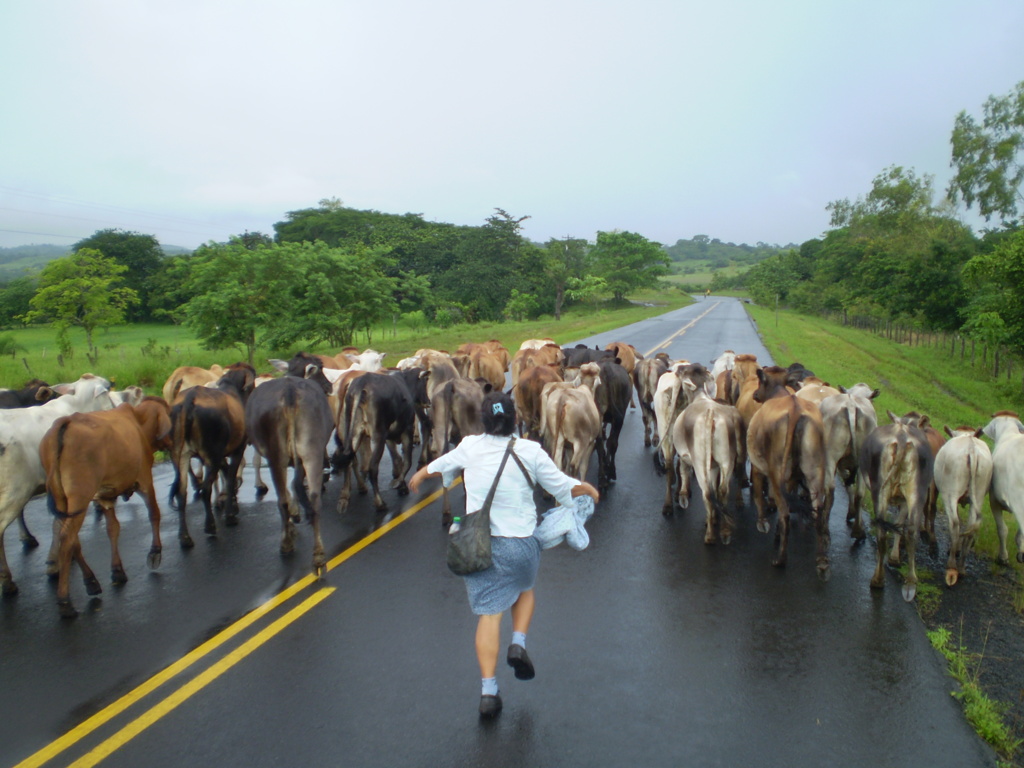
x=195, y=685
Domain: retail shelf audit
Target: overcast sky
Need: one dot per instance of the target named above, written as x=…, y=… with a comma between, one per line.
x=194, y=120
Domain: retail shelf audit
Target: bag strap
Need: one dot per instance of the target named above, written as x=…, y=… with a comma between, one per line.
x=529, y=480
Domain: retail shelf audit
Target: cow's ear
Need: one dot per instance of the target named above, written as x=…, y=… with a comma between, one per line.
x=892, y=416
x=842, y=389
x=280, y=365
x=45, y=393
x=311, y=370
x=979, y=432
x=947, y=430
x=874, y=394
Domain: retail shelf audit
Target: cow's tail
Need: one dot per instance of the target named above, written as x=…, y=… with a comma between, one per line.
x=57, y=498
x=787, y=447
x=345, y=453
x=852, y=416
x=181, y=429
x=709, y=418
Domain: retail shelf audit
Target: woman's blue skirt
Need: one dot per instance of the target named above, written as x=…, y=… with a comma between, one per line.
x=513, y=570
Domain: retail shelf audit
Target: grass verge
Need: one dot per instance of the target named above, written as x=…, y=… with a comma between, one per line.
x=984, y=715
x=951, y=391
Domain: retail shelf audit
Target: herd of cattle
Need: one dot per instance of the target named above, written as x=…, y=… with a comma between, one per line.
x=84, y=443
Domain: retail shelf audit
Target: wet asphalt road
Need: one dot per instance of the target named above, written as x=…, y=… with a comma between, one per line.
x=651, y=648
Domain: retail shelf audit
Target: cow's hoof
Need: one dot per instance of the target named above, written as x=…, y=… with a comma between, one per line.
x=52, y=570
x=67, y=610
x=261, y=491
x=10, y=589
x=1020, y=557
x=909, y=591
x=230, y=521
x=709, y=539
x=667, y=510
x=342, y=506
x=727, y=539
x=951, y=577
x=824, y=572
x=1003, y=561
x=763, y=526
x=118, y=576
x=381, y=506
x=92, y=586
x=877, y=583
x=403, y=490
x=186, y=541
x=779, y=562
x=30, y=542
x=153, y=560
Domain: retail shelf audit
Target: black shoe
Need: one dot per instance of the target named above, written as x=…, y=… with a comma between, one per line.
x=520, y=662
x=490, y=706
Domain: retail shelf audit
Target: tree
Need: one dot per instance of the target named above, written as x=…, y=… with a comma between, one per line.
x=82, y=290
x=141, y=256
x=628, y=262
x=989, y=158
x=238, y=295
x=564, y=260
x=15, y=298
x=997, y=281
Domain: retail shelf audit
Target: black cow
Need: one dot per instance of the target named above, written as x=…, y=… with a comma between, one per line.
x=288, y=421
x=378, y=412
x=581, y=353
x=35, y=392
x=209, y=424
x=612, y=397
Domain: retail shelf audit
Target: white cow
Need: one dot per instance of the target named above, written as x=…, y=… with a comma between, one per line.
x=706, y=437
x=848, y=418
x=21, y=432
x=963, y=472
x=667, y=407
x=1007, y=489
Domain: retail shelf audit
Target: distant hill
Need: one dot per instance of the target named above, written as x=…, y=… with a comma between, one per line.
x=20, y=260
x=717, y=254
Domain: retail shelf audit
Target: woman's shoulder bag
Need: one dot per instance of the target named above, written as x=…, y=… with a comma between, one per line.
x=469, y=548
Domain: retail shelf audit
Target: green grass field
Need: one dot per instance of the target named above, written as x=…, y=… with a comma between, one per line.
x=929, y=380
x=146, y=354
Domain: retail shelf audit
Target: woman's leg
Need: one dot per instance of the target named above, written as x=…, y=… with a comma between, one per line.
x=488, y=640
x=522, y=612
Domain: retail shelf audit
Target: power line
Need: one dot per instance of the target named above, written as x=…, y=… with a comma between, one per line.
x=41, y=234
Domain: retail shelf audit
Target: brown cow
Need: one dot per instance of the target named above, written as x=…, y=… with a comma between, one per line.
x=546, y=354
x=528, y=397
x=188, y=376
x=786, y=444
x=101, y=455
x=627, y=354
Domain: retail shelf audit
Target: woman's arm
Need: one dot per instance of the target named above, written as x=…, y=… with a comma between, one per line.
x=586, y=489
x=421, y=475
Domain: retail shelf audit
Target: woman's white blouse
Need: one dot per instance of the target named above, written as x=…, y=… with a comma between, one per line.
x=513, y=512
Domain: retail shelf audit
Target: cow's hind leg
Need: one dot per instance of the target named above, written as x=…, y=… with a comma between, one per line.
x=28, y=541
x=778, y=491
x=117, y=574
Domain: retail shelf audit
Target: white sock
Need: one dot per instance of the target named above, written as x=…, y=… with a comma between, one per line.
x=519, y=638
x=488, y=686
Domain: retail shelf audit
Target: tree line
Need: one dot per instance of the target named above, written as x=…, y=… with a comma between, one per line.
x=325, y=275
x=898, y=256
